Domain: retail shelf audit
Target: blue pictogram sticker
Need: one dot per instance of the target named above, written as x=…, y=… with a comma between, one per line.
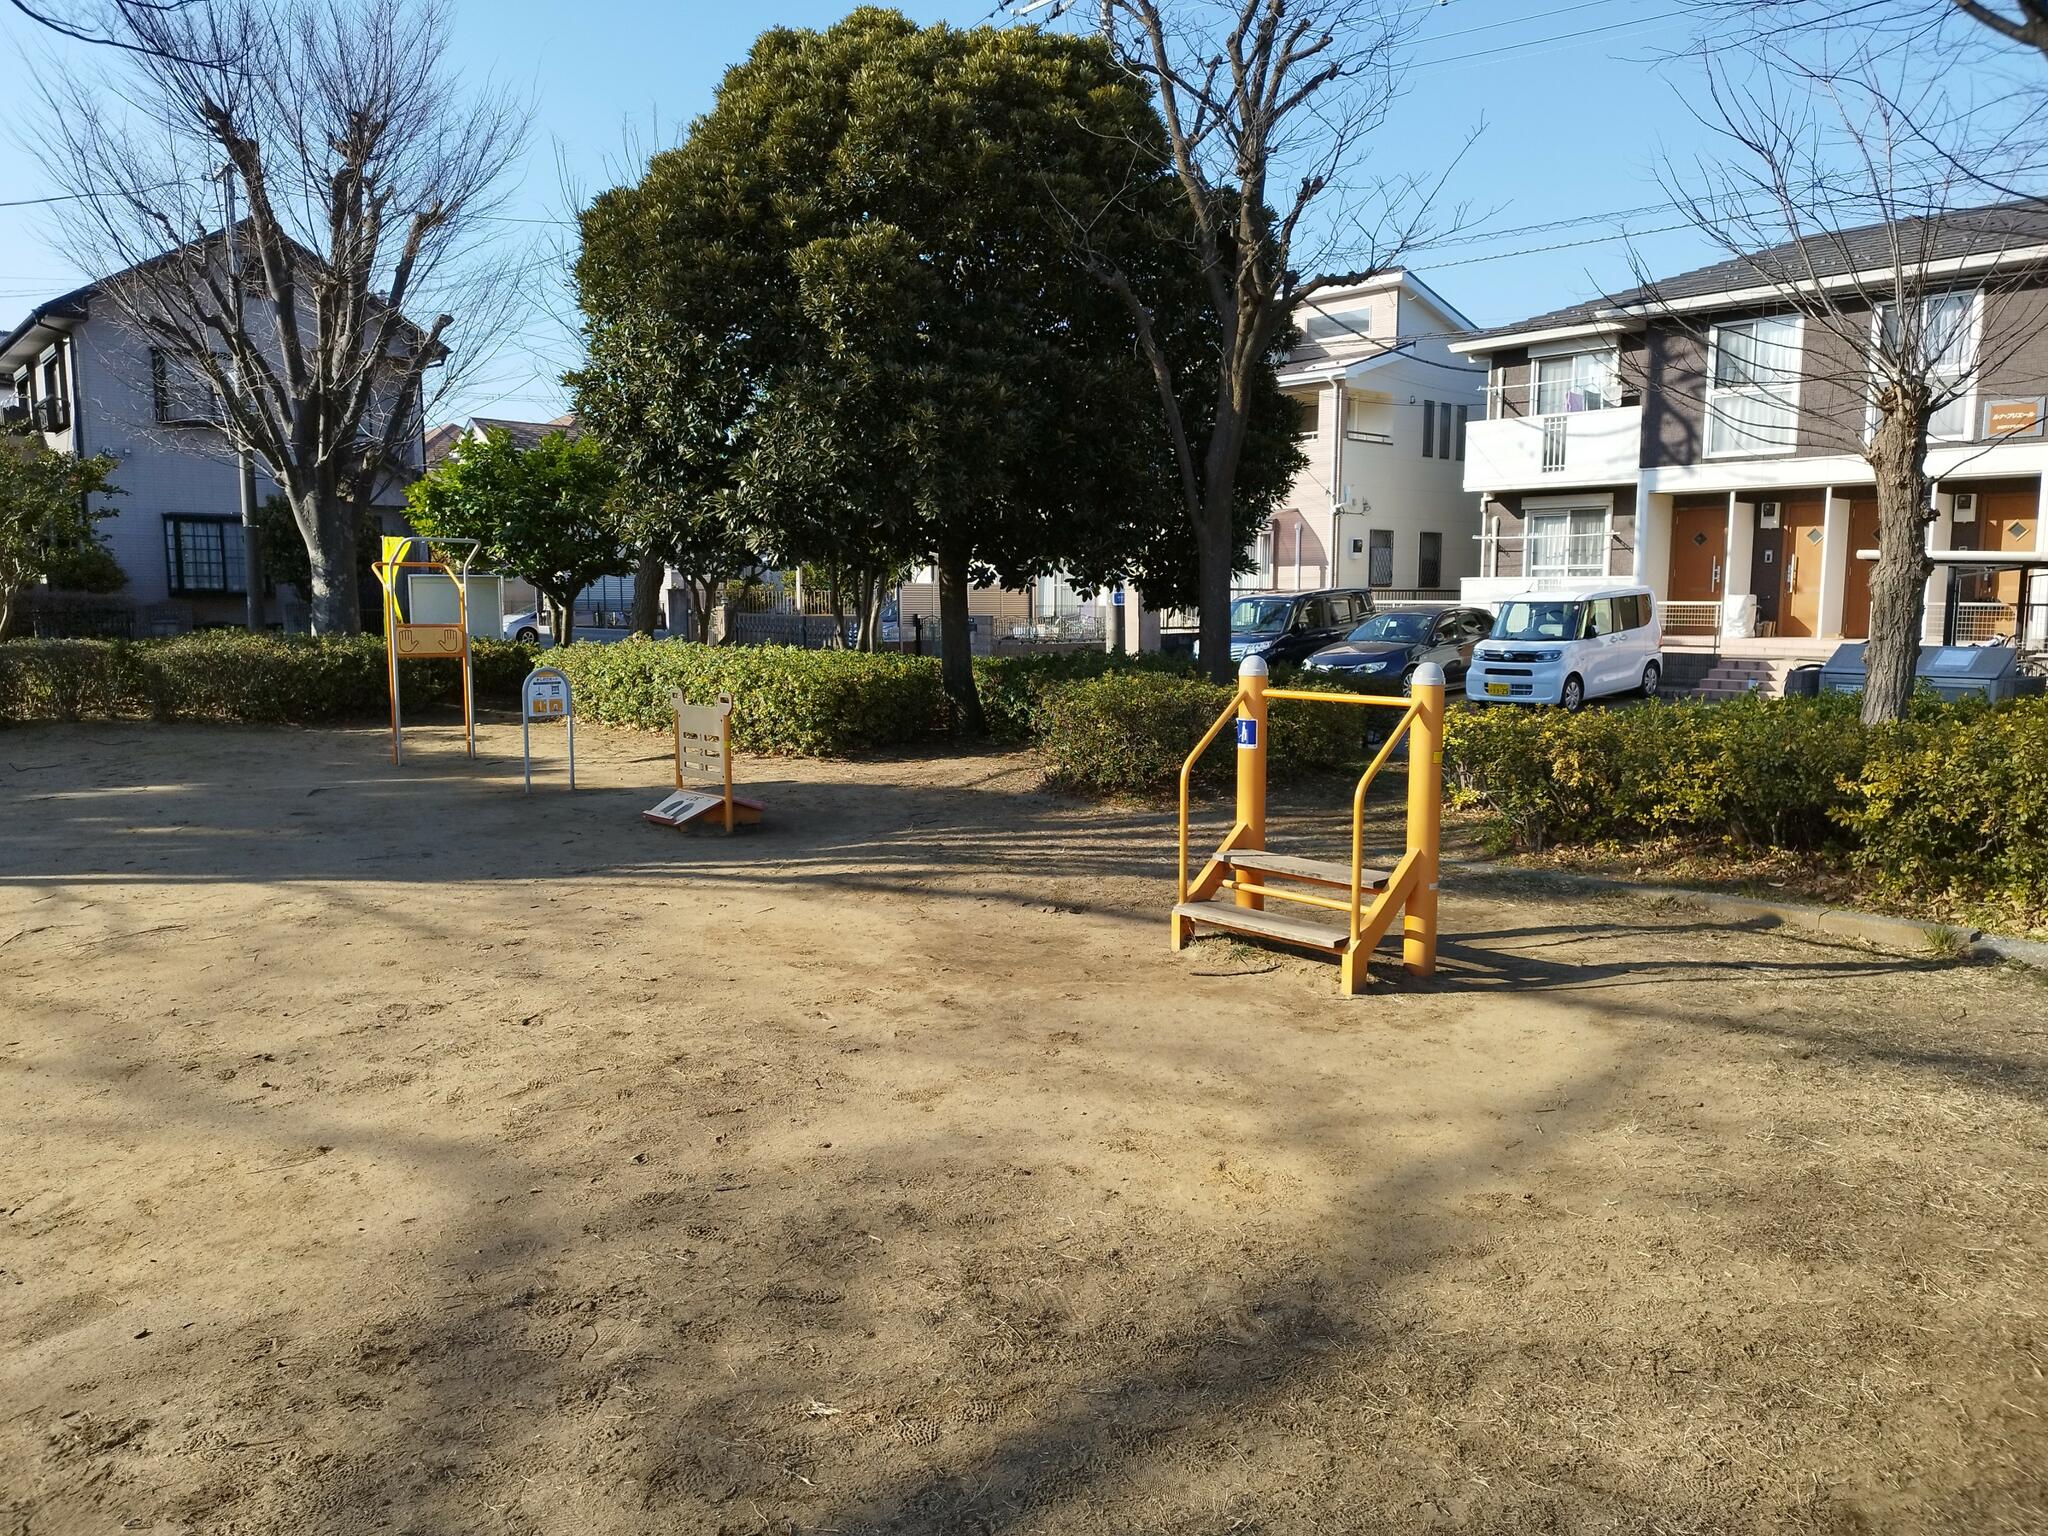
x=1247, y=733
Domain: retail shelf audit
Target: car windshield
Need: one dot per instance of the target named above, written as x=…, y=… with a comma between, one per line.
x=1539, y=621
x=1404, y=627
x=1260, y=615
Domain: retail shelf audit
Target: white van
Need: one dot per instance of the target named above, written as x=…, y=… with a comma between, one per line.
x=1568, y=647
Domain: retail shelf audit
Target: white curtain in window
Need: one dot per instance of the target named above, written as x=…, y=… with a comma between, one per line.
x=1752, y=397
x=1567, y=543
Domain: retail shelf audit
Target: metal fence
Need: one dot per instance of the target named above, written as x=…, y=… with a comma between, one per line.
x=1693, y=618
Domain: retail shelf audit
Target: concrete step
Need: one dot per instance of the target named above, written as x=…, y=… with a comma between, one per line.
x=1287, y=866
x=1266, y=925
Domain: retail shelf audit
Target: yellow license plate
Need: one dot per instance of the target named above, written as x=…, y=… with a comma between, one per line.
x=1500, y=690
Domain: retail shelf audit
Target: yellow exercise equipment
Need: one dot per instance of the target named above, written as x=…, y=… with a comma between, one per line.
x=1242, y=866
x=405, y=641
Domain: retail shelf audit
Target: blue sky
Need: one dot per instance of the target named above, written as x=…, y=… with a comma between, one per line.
x=1576, y=117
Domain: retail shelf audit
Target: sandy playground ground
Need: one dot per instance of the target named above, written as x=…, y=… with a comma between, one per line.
x=388, y=1152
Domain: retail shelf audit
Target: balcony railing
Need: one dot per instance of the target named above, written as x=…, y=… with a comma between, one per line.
x=1579, y=447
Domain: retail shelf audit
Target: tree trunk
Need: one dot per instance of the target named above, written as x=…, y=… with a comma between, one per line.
x=1898, y=584
x=870, y=612
x=647, y=582
x=956, y=664
x=561, y=618
x=1213, y=549
x=1215, y=543
x=334, y=605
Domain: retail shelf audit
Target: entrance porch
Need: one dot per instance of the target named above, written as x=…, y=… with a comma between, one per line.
x=1793, y=564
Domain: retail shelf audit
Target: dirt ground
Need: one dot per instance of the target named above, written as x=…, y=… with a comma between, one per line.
x=387, y=1151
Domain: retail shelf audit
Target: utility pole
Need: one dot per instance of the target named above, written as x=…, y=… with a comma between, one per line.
x=252, y=548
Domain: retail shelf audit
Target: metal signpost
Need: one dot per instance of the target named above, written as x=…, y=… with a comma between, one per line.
x=545, y=696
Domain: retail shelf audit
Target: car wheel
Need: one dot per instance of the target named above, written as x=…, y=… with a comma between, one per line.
x=1574, y=696
x=528, y=636
x=1653, y=676
x=1408, y=683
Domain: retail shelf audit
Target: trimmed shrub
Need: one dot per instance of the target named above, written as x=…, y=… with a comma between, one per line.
x=1957, y=802
x=72, y=680
x=1950, y=803
x=236, y=677
x=1012, y=688
x=807, y=703
x=1756, y=772
x=1127, y=733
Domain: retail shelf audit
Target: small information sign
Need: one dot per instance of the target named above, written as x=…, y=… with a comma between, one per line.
x=545, y=696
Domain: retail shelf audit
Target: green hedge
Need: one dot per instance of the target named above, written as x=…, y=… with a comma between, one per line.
x=812, y=703
x=1127, y=733
x=228, y=675
x=1956, y=801
x=1951, y=802
x=1013, y=688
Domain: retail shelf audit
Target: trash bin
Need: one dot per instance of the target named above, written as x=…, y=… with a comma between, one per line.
x=1803, y=682
x=1953, y=671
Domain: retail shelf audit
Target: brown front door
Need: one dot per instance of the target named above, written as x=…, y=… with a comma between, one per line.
x=2005, y=521
x=1856, y=594
x=1699, y=551
x=1799, y=568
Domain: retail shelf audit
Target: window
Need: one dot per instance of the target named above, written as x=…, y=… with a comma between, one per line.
x=181, y=397
x=1753, y=386
x=1365, y=421
x=1428, y=429
x=1603, y=617
x=204, y=555
x=1429, y=561
x=1568, y=543
x=1379, y=561
x=53, y=377
x=1575, y=381
x=1946, y=344
x=1560, y=620
x=1444, y=427
x=1464, y=415
x=1304, y=416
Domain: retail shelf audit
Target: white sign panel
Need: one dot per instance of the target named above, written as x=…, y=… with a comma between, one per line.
x=546, y=696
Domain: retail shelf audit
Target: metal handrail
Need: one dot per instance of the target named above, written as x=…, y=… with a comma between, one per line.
x=1408, y=710
x=1358, y=816
x=1187, y=768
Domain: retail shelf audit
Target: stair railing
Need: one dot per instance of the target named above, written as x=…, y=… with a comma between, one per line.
x=1413, y=880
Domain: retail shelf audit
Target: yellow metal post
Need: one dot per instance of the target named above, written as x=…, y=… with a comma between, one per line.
x=1251, y=770
x=1425, y=819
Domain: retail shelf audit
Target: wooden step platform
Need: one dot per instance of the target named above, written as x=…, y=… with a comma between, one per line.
x=1287, y=866
x=1266, y=925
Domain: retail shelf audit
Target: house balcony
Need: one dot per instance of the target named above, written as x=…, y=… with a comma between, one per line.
x=1571, y=448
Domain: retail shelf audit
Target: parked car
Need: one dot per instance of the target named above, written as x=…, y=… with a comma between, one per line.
x=1290, y=626
x=1566, y=648
x=1383, y=652
x=524, y=627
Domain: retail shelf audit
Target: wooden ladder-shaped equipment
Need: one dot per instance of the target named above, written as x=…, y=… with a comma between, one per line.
x=1246, y=876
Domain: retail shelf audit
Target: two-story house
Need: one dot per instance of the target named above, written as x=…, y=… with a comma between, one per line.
x=1384, y=404
x=77, y=372
x=1700, y=436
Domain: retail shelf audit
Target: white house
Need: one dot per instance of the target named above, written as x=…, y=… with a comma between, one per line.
x=76, y=373
x=1384, y=405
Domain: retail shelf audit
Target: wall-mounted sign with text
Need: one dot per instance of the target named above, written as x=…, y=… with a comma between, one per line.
x=2014, y=418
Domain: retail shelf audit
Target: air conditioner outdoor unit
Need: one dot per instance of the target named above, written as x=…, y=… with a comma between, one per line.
x=1767, y=513
x=1966, y=507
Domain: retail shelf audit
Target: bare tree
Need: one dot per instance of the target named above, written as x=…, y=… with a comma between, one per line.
x=1267, y=107
x=366, y=174
x=1896, y=292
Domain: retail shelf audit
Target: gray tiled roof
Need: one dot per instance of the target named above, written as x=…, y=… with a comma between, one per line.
x=1828, y=253
x=525, y=434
